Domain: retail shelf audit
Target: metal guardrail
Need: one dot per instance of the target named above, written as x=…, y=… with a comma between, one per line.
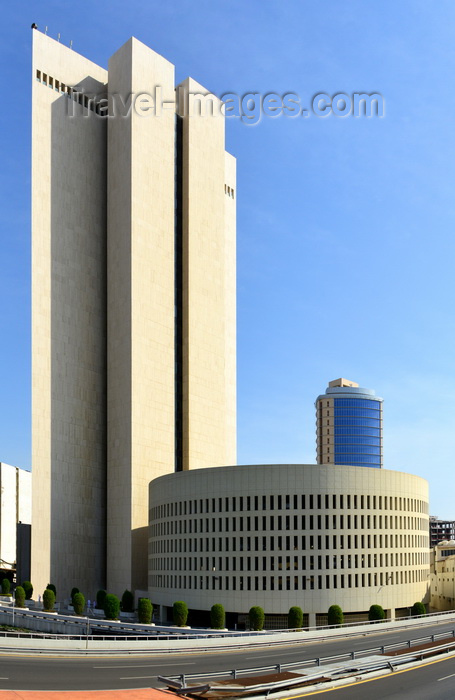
x=83, y=628
x=181, y=688
x=164, y=633
x=319, y=660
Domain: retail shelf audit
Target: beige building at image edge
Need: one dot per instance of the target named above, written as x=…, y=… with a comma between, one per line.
x=443, y=576
x=284, y=535
x=15, y=508
x=133, y=309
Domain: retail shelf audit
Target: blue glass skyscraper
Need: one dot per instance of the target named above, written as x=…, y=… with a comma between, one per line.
x=349, y=425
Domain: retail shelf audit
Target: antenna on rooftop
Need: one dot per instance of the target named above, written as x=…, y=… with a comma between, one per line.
x=58, y=37
x=45, y=31
x=71, y=44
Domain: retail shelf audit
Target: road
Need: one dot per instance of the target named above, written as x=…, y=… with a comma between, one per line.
x=44, y=672
x=433, y=681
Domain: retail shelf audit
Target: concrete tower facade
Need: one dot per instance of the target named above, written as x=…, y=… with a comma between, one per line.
x=133, y=306
x=349, y=425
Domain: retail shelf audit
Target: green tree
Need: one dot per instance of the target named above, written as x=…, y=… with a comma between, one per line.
x=111, y=607
x=144, y=611
x=73, y=593
x=418, y=609
x=6, y=586
x=295, y=617
x=335, y=615
x=128, y=602
x=19, y=596
x=375, y=613
x=180, y=613
x=257, y=618
x=28, y=588
x=217, y=617
x=100, y=596
x=48, y=599
x=78, y=603
x=51, y=587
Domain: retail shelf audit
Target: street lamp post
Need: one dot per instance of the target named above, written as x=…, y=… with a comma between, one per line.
x=215, y=578
x=87, y=632
x=386, y=582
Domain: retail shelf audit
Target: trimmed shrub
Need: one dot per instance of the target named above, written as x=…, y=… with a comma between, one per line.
x=295, y=617
x=19, y=596
x=375, y=613
x=418, y=609
x=144, y=611
x=257, y=618
x=335, y=615
x=48, y=599
x=73, y=593
x=51, y=587
x=180, y=613
x=217, y=617
x=128, y=602
x=111, y=607
x=6, y=586
x=28, y=588
x=100, y=596
x=78, y=603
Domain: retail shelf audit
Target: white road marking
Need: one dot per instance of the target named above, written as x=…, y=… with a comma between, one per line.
x=284, y=654
x=187, y=663
x=446, y=677
x=134, y=678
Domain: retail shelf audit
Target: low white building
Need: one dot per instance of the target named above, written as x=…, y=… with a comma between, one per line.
x=284, y=535
x=15, y=507
x=443, y=576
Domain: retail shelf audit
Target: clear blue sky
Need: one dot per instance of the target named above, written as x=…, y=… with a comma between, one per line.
x=345, y=226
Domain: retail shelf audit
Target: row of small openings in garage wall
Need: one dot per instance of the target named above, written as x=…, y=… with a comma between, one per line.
x=313, y=562
x=288, y=543
x=72, y=93
x=288, y=502
x=229, y=191
x=279, y=583
x=288, y=522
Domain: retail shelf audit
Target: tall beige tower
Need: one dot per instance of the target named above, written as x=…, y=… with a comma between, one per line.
x=68, y=324
x=133, y=306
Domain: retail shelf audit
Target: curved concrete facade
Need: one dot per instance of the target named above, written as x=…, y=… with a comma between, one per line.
x=283, y=535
